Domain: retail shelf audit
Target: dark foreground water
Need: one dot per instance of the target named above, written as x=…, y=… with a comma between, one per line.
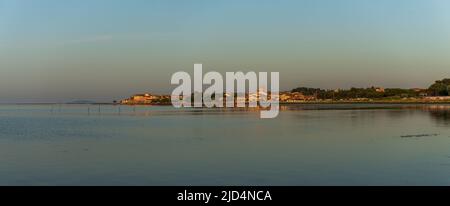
x=148, y=145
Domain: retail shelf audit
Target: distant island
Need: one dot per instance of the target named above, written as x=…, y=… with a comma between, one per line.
x=438, y=92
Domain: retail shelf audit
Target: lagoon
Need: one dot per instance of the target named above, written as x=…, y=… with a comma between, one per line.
x=341, y=144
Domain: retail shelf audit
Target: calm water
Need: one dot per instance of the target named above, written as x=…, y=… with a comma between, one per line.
x=148, y=145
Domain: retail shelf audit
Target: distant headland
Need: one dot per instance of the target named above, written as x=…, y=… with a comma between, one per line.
x=438, y=92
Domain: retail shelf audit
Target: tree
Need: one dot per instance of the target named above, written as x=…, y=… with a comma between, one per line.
x=440, y=88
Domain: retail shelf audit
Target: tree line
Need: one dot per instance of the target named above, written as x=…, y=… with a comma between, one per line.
x=439, y=88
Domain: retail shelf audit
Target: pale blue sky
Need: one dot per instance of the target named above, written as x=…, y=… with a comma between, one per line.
x=53, y=50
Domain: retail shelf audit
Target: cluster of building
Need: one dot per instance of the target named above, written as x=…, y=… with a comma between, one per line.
x=293, y=97
x=146, y=99
x=284, y=97
x=165, y=99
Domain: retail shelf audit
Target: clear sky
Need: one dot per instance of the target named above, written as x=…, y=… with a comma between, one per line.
x=53, y=50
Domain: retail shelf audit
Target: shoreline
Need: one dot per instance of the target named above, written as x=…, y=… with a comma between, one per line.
x=367, y=102
x=281, y=103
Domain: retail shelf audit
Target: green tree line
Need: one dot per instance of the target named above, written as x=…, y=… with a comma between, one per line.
x=439, y=88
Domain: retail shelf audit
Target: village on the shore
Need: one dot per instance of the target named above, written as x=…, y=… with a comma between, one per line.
x=437, y=92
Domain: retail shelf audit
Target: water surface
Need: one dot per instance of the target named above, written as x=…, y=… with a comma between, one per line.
x=373, y=144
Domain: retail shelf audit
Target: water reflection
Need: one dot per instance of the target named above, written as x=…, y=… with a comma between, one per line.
x=439, y=113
